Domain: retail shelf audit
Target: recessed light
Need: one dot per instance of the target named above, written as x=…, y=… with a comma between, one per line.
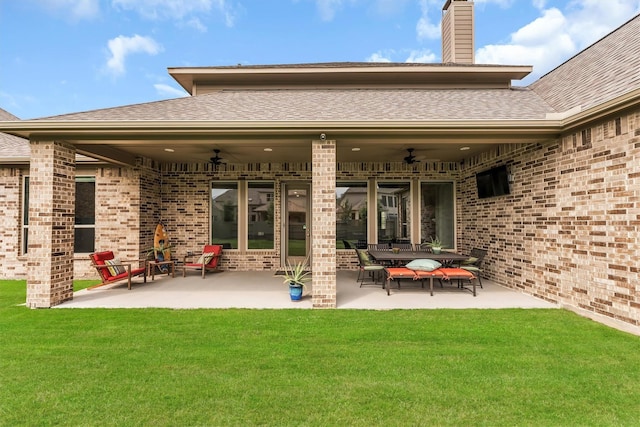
x=465, y=148
x=268, y=149
x=355, y=149
x=169, y=150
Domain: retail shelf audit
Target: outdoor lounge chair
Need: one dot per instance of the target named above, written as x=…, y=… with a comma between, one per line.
x=112, y=270
x=207, y=261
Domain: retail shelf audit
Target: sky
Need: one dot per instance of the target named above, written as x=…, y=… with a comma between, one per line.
x=65, y=56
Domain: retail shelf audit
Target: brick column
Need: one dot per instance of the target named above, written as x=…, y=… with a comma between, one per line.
x=323, y=223
x=51, y=219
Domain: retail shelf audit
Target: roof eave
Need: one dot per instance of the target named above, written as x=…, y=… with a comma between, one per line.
x=188, y=77
x=601, y=111
x=51, y=129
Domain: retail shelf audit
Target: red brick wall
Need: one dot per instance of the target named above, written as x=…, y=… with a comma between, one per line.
x=568, y=232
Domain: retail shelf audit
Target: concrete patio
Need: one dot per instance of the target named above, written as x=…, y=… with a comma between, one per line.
x=263, y=290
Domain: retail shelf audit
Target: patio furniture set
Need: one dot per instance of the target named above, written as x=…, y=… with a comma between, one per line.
x=418, y=264
x=403, y=262
x=113, y=270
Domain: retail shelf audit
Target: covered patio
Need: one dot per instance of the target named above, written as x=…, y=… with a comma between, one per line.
x=263, y=290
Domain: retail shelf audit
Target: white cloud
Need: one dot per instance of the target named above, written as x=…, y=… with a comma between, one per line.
x=415, y=56
x=425, y=28
x=590, y=20
x=179, y=10
x=166, y=90
x=197, y=24
x=378, y=57
x=556, y=35
x=542, y=43
x=422, y=56
x=75, y=9
x=122, y=46
x=328, y=8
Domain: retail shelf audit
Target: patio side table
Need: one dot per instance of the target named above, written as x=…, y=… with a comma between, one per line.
x=151, y=265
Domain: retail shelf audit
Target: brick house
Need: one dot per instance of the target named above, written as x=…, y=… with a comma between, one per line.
x=316, y=154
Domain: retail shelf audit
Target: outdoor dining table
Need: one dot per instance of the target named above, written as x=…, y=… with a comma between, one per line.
x=446, y=258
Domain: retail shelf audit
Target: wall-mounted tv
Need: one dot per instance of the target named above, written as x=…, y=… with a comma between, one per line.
x=493, y=182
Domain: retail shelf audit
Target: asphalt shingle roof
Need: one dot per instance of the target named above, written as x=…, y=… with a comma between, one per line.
x=607, y=69
x=12, y=146
x=335, y=105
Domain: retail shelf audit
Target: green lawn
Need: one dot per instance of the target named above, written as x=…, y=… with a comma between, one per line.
x=312, y=367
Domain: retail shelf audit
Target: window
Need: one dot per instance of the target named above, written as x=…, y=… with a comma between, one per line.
x=351, y=213
x=25, y=216
x=394, y=219
x=224, y=213
x=437, y=212
x=85, y=216
x=85, y=221
x=260, y=215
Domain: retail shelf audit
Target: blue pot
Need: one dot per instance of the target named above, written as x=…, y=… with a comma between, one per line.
x=295, y=292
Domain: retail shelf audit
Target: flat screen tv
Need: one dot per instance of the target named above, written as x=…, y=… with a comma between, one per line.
x=493, y=182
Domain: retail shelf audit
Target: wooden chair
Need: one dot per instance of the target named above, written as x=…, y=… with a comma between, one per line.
x=207, y=261
x=112, y=270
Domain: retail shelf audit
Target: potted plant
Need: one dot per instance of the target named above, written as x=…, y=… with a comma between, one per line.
x=157, y=253
x=296, y=276
x=436, y=245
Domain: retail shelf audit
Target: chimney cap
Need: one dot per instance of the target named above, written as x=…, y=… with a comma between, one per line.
x=448, y=3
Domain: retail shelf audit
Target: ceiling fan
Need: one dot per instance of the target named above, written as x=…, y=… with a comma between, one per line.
x=410, y=158
x=217, y=160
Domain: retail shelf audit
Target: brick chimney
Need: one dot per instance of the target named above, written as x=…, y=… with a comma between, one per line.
x=457, y=32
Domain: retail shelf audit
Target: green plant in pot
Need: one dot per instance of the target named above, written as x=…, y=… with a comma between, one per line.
x=296, y=275
x=157, y=253
x=435, y=245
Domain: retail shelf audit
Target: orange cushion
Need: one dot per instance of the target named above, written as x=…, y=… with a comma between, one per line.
x=421, y=274
x=456, y=273
x=400, y=273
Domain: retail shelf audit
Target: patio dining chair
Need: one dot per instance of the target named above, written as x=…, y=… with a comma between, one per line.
x=207, y=261
x=378, y=246
x=422, y=247
x=367, y=267
x=405, y=247
x=474, y=263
